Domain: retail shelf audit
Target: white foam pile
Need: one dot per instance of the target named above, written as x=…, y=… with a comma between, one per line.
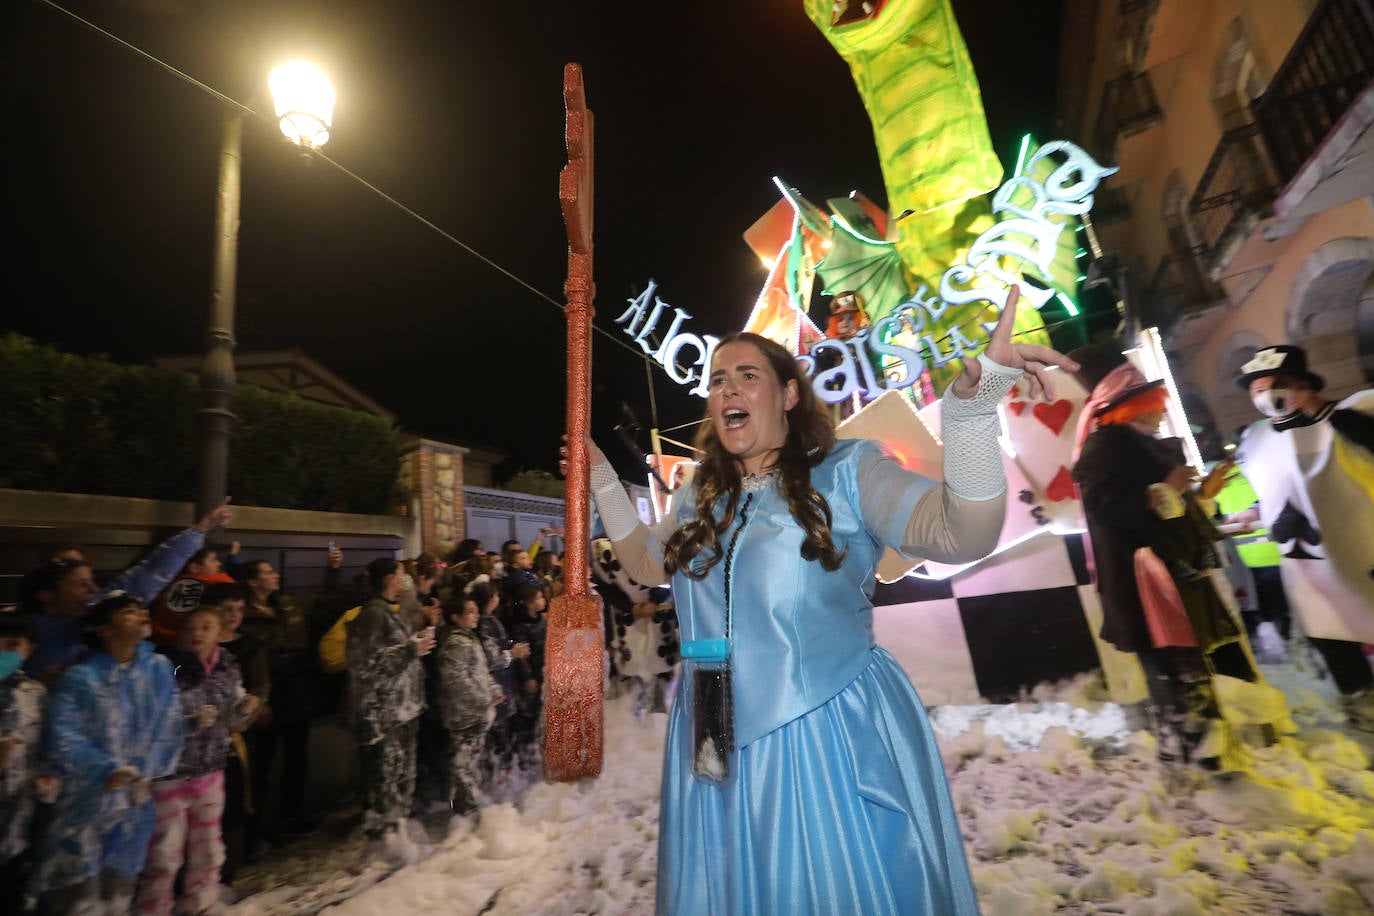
x=1063, y=807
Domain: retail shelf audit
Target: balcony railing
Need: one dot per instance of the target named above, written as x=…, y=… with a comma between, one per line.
x=1134, y=22
x=1179, y=286
x=1325, y=70
x=1237, y=190
x=1128, y=107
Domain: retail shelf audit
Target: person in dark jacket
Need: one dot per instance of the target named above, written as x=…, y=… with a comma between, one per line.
x=1137, y=493
x=386, y=696
x=519, y=572
x=278, y=625
x=432, y=764
x=502, y=654
x=525, y=623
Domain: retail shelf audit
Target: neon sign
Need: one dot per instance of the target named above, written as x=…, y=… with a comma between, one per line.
x=643, y=316
x=1034, y=213
x=1029, y=232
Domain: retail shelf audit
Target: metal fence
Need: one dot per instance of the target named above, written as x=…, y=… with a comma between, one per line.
x=1238, y=185
x=1128, y=107
x=1329, y=65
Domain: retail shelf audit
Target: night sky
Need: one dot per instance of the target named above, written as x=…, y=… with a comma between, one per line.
x=454, y=108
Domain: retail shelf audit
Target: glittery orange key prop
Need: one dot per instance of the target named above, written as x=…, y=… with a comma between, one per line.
x=575, y=663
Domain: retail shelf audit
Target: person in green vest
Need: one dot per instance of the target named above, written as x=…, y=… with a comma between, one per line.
x=1261, y=557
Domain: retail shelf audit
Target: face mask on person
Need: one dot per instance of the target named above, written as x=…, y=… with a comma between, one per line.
x=1274, y=402
x=9, y=663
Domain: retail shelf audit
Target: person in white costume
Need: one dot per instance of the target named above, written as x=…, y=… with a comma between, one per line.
x=1311, y=463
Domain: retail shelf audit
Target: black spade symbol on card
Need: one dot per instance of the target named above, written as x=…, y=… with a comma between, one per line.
x=1026, y=496
x=1292, y=525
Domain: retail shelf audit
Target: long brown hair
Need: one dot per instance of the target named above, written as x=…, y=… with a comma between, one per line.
x=810, y=437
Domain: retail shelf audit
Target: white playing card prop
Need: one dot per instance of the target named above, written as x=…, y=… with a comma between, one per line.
x=1037, y=452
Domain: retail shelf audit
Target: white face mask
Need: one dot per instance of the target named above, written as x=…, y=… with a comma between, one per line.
x=1275, y=402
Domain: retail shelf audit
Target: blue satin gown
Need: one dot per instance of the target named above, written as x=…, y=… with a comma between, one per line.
x=838, y=801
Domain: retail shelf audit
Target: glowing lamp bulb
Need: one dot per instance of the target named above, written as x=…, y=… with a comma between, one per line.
x=304, y=101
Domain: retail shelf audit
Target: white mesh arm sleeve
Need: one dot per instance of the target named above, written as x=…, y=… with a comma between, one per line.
x=612, y=502
x=973, y=459
x=636, y=545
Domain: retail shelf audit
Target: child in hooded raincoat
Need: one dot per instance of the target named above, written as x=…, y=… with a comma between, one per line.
x=115, y=725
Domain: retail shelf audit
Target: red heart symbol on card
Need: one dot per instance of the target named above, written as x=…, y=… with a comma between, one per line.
x=1054, y=416
x=1016, y=407
x=1061, y=487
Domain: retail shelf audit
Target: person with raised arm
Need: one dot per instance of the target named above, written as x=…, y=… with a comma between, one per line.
x=801, y=769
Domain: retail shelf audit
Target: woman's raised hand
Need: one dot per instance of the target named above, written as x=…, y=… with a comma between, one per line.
x=594, y=454
x=1033, y=359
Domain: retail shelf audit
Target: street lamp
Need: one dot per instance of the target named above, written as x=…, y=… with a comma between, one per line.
x=304, y=102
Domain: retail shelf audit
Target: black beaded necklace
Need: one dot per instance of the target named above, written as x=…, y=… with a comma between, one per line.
x=730, y=555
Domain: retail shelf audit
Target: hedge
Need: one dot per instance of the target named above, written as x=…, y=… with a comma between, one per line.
x=78, y=424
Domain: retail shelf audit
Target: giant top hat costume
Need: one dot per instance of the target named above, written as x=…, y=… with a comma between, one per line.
x=1283, y=359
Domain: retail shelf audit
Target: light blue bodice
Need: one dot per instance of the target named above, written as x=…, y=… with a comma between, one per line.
x=799, y=634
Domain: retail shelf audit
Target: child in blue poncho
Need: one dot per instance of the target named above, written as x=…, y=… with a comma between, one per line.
x=115, y=725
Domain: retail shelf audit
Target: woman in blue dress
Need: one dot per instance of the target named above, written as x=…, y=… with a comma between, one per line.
x=801, y=773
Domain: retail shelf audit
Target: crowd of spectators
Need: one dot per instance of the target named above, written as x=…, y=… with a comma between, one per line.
x=155, y=729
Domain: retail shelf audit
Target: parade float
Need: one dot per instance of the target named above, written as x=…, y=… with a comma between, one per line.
x=905, y=294
x=881, y=305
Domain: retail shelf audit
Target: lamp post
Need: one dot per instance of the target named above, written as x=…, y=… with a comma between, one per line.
x=304, y=103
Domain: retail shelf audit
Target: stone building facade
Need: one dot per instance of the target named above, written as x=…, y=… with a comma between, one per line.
x=431, y=473
x=449, y=507
x=1243, y=212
